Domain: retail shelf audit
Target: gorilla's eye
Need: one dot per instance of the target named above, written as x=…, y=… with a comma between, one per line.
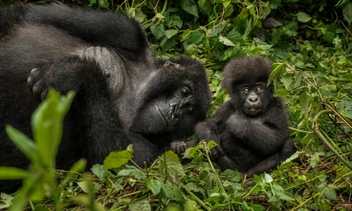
x=245, y=90
x=190, y=109
x=258, y=89
x=185, y=91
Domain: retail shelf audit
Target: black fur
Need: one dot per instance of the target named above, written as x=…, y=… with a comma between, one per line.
x=124, y=94
x=251, y=129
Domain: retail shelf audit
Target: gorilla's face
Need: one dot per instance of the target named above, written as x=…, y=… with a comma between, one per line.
x=252, y=97
x=166, y=112
x=170, y=104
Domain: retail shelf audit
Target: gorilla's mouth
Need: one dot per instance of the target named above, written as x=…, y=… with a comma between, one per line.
x=252, y=110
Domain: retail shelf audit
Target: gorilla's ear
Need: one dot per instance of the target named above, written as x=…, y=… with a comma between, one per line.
x=246, y=70
x=168, y=63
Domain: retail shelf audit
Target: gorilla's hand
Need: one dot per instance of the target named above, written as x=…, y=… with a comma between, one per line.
x=208, y=131
x=179, y=147
x=38, y=82
x=72, y=73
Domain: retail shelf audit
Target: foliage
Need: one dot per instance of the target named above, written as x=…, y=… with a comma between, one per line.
x=310, y=44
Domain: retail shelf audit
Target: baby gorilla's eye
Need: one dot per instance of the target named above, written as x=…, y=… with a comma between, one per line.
x=245, y=90
x=258, y=89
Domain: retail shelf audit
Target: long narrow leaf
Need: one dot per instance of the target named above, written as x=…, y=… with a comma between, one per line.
x=23, y=143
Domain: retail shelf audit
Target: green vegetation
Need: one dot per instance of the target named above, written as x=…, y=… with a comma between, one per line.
x=310, y=44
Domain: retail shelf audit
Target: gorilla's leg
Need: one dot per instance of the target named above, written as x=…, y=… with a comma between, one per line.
x=274, y=160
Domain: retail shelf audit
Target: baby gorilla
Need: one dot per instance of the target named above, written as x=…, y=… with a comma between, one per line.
x=251, y=129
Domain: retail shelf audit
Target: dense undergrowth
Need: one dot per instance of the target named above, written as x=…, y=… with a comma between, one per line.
x=310, y=44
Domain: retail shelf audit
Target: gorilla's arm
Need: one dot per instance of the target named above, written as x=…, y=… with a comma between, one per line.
x=207, y=130
x=96, y=28
x=91, y=104
x=265, y=134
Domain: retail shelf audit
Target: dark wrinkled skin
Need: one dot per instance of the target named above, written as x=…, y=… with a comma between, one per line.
x=124, y=94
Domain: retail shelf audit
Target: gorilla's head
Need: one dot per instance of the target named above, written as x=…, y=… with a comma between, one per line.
x=245, y=78
x=172, y=100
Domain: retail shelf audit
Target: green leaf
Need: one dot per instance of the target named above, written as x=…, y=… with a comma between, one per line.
x=136, y=173
x=330, y=194
x=23, y=143
x=226, y=41
x=139, y=16
x=47, y=124
x=104, y=4
x=347, y=12
x=170, y=164
x=7, y=199
x=158, y=31
x=153, y=185
x=99, y=171
x=195, y=188
x=267, y=178
x=140, y=205
x=117, y=159
x=190, y=7
x=12, y=173
x=170, y=33
x=92, y=2
x=89, y=186
x=230, y=175
x=345, y=107
x=190, y=152
x=303, y=17
x=211, y=144
x=171, y=192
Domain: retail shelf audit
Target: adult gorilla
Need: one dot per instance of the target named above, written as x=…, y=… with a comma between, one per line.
x=124, y=94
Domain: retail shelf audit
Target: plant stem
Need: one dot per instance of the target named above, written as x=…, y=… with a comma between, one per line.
x=196, y=198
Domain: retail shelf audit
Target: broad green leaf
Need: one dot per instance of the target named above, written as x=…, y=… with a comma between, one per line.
x=170, y=165
x=268, y=178
x=89, y=186
x=153, y=185
x=173, y=207
x=99, y=171
x=190, y=7
x=79, y=165
x=23, y=143
x=139, y=16
x=230, y=175
x=158, y=31
x=347, y=12
x=195, y=188
x=190, y=152
x=104, y=4
x=140, y=205
x=12, y=173
x=117, y=159
x=136, y=173
x=330, y=194
x=92, y=2
x=211, y=144
x=7, y=199
x=303, y=17
x=171, y=192
x=345, y=107
x=170, y=33
x=226, y=41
